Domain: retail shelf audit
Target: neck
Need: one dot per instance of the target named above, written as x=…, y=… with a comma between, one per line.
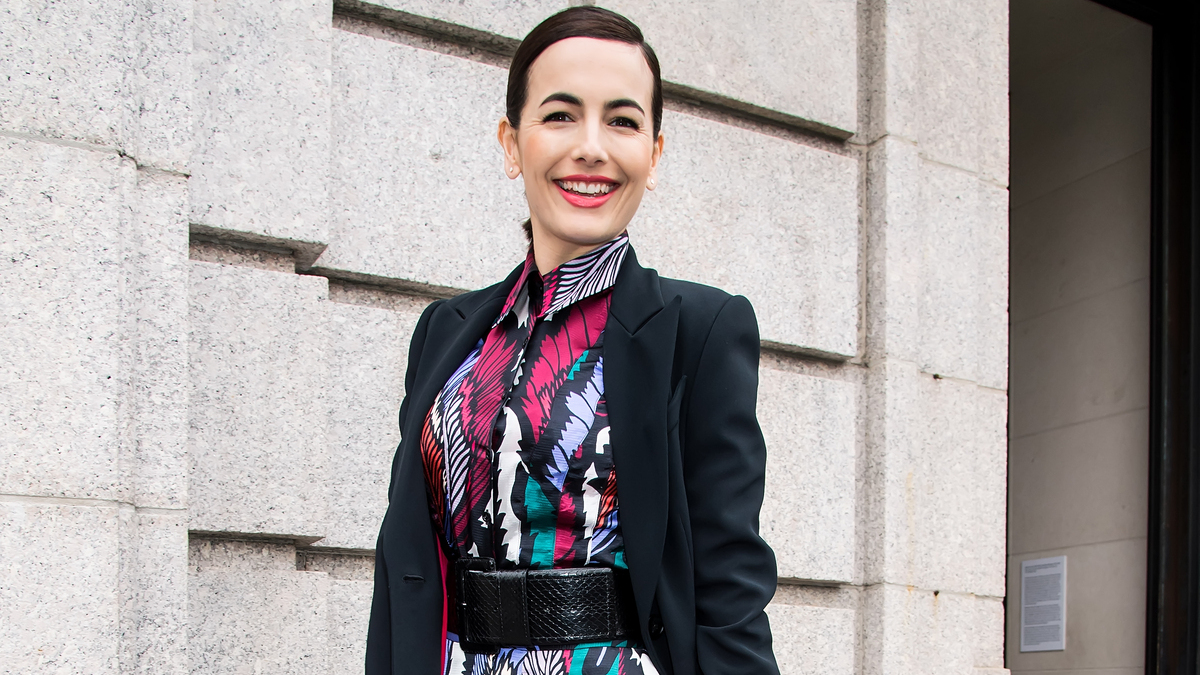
x=550, y=252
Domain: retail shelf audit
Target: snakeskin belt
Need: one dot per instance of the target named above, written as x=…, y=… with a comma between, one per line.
x=543, y=608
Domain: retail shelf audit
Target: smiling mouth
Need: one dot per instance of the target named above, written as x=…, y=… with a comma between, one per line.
x=586, y=189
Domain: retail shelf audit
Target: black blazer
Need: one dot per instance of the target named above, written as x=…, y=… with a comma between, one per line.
x=680, y=379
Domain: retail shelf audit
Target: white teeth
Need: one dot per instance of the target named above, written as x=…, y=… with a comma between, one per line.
x=586, y=188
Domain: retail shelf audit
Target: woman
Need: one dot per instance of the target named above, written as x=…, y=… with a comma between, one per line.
x=578, y=485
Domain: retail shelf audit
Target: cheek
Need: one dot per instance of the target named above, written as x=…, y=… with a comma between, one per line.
x=538, y=153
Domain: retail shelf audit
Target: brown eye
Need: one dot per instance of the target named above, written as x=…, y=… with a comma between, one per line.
x=557, y=117
x=625, y=122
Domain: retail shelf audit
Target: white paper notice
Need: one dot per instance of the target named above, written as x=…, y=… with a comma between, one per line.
x=1044, y=604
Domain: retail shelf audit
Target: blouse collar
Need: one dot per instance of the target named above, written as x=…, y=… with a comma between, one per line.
x=591, y=273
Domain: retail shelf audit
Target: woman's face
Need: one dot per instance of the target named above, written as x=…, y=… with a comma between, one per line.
x=585, y=146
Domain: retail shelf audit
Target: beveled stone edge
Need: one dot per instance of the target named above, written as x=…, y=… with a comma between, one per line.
x=504, y=47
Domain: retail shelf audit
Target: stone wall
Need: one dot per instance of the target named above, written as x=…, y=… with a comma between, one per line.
x=220, y=221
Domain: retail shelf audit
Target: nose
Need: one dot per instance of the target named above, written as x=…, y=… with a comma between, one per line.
x=590, y=148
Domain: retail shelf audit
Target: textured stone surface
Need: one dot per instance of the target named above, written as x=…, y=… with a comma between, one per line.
x=936, y=497
x=264, y=618
x=153, y=591
x=349, y=607
x=964, y=299
x=159, y=123
x=427, y=203
x=261, y=162
x=801, y=61
x=942, y=80
x=112, y=75
x=938, y=258
x=368, y=354
x=816, y=640
x=808, y=514
x=773, y=220
x=418, y=200
x=911, y=630
x=62, y=212
x=155, y=337
x=63, y=66
x=258, y=420
x=58, y=588
x=503, y=17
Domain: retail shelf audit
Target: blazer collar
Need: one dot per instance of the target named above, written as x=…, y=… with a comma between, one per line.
x=637, y=296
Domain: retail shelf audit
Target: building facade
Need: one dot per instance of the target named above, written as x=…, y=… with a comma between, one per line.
x=220, y=221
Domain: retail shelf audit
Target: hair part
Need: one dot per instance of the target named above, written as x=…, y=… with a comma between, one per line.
x=584, y=21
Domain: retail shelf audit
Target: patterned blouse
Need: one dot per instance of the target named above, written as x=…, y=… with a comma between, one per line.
x=516, y=452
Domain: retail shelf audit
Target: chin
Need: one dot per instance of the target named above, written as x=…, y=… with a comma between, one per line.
x=587, y=232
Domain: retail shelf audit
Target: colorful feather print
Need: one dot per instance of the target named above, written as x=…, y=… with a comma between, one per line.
x=516, y=446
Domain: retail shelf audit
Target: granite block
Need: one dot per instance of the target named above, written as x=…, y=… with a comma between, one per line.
x=403, y=211
x=964, y=294
x=64, y=65
x=942, y=81
x=808, y=514
x=760, y=216
x=155, y=336
x=894, y=250
x=261, y=160
x=153, y=591
x=419, y=199
x=936, y=471
x=937, y=266
x=368, y=354
x=916, y=630
x=59, y=603
x=502, y=17
x=268, y=620
x=349, y=607
x=813, y=640
x=258, y=402
x=63, y=374
x=158, y=117
x=801, y=62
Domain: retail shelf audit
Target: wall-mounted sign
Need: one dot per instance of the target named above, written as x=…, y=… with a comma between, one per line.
x=1044, y=604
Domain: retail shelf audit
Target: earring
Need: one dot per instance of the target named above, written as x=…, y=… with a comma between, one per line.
x=512, y=169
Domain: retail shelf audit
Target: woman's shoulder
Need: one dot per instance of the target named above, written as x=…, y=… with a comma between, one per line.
x=700, y=305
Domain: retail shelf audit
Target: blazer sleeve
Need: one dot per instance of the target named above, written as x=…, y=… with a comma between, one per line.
x=379, y=629
x=724, y=458
x=415, y=347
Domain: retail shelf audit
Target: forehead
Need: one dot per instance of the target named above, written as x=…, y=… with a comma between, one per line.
x=587, y=67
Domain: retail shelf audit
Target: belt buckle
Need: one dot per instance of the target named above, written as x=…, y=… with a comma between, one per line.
x=461, y=567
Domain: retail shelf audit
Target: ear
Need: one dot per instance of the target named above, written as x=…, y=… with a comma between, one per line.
x=507, y=135
x=655, y=155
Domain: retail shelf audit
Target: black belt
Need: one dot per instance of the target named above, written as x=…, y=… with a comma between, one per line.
x=543, y=608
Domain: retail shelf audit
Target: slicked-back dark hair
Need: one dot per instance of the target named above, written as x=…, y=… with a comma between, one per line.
x=585, y=21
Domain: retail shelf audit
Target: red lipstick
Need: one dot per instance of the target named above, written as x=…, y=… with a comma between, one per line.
x=586, y=201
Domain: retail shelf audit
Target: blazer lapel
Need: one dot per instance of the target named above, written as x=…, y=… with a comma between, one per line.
x=452, y=334
x=639, y=350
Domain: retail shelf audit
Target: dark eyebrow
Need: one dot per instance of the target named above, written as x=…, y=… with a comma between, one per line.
x=570, y=99
x=564, y=97
x=623, y=103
